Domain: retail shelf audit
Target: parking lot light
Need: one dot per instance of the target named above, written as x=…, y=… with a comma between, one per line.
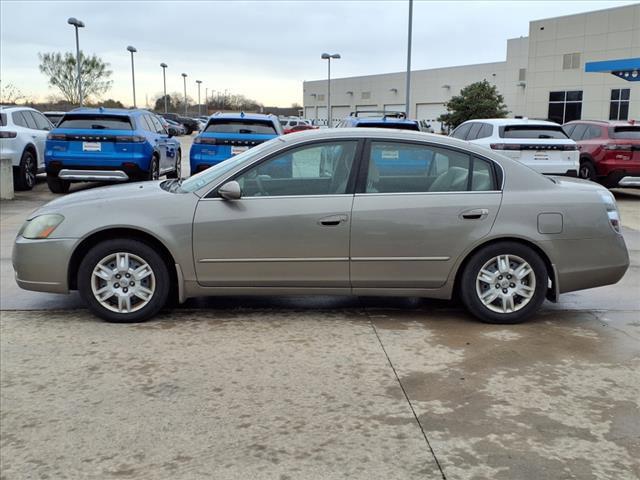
x=133, y=74
x=199, y=109
x=77, y=24
x=328, y=57
x=164, y=81
x=407, y=106
x=184, y=78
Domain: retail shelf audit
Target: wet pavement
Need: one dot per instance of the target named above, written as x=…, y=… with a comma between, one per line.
x=320, y=388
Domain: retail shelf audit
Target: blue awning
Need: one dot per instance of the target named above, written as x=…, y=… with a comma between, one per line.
x=626, y=68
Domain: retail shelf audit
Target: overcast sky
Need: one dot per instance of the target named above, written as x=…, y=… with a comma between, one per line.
x=261, y=49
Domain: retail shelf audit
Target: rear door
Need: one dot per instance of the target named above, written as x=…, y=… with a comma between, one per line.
x=289, y=229
x=39, y=133
x=418, y=208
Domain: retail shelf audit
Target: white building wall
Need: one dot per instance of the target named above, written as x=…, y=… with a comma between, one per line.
x=602, y=35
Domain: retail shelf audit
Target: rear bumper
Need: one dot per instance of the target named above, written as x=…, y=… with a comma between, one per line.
x=629, y=182
x=93, y=175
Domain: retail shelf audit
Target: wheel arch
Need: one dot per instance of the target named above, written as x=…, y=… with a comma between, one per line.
x=552, y=293
x=122, y=232
x=31, y=148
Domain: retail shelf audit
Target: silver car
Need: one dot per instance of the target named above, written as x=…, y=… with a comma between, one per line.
x=332, y=212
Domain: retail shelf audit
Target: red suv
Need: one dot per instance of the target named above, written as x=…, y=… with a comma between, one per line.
x=609, y=151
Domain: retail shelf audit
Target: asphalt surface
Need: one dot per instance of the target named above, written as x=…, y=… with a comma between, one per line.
x=320, y=387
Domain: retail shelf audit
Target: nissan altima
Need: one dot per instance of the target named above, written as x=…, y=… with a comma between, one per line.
x=333, y=212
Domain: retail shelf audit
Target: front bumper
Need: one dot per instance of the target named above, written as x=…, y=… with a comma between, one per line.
x=42, y=265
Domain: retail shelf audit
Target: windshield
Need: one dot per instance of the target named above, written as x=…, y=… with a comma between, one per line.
x=626, y=133
x=95, y=122
x=199, y=180
x=533, y=131
x=240, y=126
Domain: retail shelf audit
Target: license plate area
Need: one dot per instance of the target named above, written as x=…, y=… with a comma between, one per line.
x=235, y=150
x=91, y=146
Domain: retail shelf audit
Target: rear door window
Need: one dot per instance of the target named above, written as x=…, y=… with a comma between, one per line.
x=578, y=132
x=461, y=131
x=3, y=119
x=486, y=130
x=31, y=121
x=241, y=126
x=19, y=119
x=533, y=131
x=96, y=122
x=626, y=133
x=474, y=131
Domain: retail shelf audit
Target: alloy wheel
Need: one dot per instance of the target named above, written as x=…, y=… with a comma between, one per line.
x=505, y=284
x=29, y=175
x=123, y=282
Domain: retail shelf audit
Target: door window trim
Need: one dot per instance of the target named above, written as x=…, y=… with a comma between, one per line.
x=361, y=183
x=213, y=192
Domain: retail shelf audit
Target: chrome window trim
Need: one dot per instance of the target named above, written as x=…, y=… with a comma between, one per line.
x=273, y=259
x=316, y=195
x=377, y=194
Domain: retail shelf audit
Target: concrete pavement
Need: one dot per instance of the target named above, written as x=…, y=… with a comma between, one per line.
x=320, y=388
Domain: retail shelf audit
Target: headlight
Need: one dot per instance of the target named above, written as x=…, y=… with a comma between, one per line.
x=612, y=209
x=41, y=226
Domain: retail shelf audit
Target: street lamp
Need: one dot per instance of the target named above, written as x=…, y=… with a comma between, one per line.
x=133, y=74
x=206, y=100
x=407, y=104
x=199, y=110
x=77, y=24
x=328, y=57
x=164, y=81
x=184, y=77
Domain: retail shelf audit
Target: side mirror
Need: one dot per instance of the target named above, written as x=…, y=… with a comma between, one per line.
x=230, y=191
x=169, y=132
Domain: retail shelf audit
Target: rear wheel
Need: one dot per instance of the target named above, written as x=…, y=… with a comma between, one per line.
x=123, y=281
x=504, y=283
x=177, y=172
x=154, y=169
x=587, y=170
x=57, y=185
x=24, y=176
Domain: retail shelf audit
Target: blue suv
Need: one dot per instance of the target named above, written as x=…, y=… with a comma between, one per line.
x=227, y=134
x=109, y=145
x=379, y=119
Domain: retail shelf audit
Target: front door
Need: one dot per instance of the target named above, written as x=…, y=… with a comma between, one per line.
x=289, y=229
x=418, y=210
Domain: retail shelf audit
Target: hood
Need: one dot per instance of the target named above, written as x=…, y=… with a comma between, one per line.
x=131, y=193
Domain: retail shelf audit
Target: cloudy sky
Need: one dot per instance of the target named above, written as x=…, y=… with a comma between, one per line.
x=262, y=49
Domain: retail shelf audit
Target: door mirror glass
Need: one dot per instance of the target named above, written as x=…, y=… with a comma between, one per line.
x=230, y=191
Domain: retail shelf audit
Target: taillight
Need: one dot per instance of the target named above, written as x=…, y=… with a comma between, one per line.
x=505, y=146
x=56, y=136
x=5, y=134
x=612, y=209
x=129, y=139
x=205, y=140
x=627, y=148
x=570, y=147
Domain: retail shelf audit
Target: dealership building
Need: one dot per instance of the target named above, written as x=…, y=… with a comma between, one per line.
x=584, y=66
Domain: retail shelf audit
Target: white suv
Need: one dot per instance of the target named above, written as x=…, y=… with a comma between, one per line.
x=23, y=134
x=541, y=145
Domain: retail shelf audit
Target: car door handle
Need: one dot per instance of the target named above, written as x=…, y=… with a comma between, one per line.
x=474, y=214
x=332, y=220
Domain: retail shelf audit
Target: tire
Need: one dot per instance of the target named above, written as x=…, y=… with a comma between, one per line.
x=24, y=175
x=533, y=285
x=177, y=172
x=154, y=169
x=57, y=185
x=133, y=254
x=587, y=170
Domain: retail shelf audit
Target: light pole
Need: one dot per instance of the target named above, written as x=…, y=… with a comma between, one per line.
x=184, y=77
x=77, y=24
x=164, y=81
x=407, y=106
x=328, y=57
x=199, y=110
x=133, y=74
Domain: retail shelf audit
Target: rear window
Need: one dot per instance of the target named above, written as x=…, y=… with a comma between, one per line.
x=3, y=119
x=400, y=126
x=626, y=133
x=95, y=122
x=241, y=126
x=533, y=131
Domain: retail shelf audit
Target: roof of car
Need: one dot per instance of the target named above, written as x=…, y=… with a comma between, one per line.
x=11, y=108
x=611, y=123
x=108, y=111
x=244, y=116
x=52, y=112
x=381, y=120
x=511, y=121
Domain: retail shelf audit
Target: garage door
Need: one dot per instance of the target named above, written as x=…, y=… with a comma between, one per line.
x=310, y=113
x=322, y=115
x=394, y=107
x=429, y=112
x=339, y=112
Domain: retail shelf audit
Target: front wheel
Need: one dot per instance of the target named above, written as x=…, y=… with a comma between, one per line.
x=123, y=281
x=504, y=283
x=177, y=172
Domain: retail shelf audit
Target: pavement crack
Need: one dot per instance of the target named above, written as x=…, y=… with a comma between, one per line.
x=406, y=396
